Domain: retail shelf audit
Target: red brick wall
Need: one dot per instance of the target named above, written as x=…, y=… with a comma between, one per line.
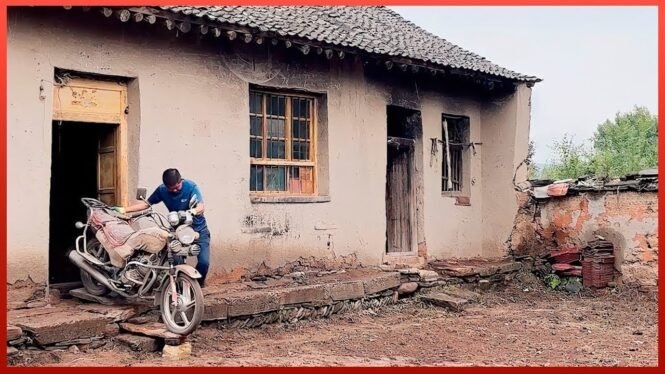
x=628, y=219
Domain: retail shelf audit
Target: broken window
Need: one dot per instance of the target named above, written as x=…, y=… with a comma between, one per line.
x=281, y=143
x=458, y=139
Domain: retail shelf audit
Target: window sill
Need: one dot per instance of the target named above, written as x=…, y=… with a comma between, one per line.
x=289, y=199
x=460, y=198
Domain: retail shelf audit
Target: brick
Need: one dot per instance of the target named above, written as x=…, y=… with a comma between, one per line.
x=302, y=294
x=249, y=303
x=139, y=343
x=13, y=332
x=428, y=275
x=381, y=282
x=446, y=301
x=346, y=290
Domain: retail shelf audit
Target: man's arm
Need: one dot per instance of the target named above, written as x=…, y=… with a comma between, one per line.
x=155, y=198
x=196, y=193
x=141, y=205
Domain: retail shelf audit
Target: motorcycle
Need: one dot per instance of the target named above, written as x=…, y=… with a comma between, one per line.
x=152, y=270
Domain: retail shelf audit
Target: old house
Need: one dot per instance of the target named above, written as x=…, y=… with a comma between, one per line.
x=343, y=134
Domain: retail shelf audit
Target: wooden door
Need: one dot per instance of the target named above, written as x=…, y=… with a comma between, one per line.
x=398, y=199
x=107, y=169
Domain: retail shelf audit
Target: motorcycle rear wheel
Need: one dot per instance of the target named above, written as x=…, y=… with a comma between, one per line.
x=186, y=314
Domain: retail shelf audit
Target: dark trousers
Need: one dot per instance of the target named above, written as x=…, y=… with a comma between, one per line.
x=203, y=259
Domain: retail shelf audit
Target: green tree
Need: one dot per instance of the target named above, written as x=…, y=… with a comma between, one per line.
x=621, y=146
x=627, y=144
x=570, y=159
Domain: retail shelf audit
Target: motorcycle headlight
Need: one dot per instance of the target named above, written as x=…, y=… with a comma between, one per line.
x=173, y=218
x=185, y=234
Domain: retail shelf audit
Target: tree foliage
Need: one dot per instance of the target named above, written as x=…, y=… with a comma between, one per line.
x=621, y=146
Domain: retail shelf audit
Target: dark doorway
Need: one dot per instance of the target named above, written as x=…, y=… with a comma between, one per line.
x=400, y=183
x=79, y=152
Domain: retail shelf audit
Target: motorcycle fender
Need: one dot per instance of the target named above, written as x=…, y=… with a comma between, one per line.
x=187, y=269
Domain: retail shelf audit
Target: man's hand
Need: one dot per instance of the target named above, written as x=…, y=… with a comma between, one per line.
x=119, y=209
x=192, y=212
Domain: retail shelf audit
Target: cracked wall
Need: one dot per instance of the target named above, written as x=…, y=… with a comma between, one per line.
x=628, y=219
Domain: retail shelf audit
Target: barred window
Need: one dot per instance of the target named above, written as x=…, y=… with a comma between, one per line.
x=281, y=143
x=458, y=138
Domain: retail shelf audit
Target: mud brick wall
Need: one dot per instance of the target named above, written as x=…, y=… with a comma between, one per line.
x=628, y=219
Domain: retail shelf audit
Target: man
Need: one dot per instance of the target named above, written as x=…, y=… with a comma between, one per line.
x=175, y=193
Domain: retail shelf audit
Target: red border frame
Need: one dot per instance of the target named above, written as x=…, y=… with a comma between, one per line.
x=3, y=133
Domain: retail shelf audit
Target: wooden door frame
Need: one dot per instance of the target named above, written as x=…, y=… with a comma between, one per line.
x=75, y=100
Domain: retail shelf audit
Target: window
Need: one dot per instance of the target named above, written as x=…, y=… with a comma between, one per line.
x=282, y=143
x=458, y=139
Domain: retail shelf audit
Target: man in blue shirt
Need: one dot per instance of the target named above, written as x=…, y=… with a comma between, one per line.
x=175, y=193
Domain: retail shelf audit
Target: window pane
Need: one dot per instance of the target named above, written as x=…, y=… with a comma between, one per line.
x=276, y=128
x=255, y=106
x=256, y=178
x=275, y=178
x=255, y=149
x=276, y=149
x=295, y=104
x=304, y=108
x=255, y=127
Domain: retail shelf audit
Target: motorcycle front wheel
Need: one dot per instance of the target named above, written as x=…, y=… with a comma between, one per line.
x=185, y=315
x=94, y=247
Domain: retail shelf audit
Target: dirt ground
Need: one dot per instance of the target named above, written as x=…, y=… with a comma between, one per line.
x=520, y=325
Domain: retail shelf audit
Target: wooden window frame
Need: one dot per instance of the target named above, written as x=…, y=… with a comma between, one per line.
x=288, y=161
x=462, y=191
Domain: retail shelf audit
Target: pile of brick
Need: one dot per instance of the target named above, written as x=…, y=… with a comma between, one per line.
x=567, y=261
x=598, y=264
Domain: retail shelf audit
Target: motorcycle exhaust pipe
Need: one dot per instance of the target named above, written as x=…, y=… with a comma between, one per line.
x=79, y=261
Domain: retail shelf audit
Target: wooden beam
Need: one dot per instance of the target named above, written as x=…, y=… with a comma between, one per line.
x=414, y=68
x=304, y=49
x=274, y=41
x=138, y=17
x=231, y=34
x=389, y=65
x=329, y=53
x=204, y=29
x=123, y=15
x=108, y=12
x=151, y=19
x=170, y=24
x=217, y=32
x=341, y=55
x=248, y=38
x=185, y=27
x=319, y=50
x=68, y=7
x=403, y=67
x=288, y=44
x=259, y=40
x=86, y=8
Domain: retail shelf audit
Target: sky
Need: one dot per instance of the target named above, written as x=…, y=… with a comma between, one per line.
x=594, y=61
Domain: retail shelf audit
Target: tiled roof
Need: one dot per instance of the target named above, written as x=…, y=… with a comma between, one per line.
x=372, y=29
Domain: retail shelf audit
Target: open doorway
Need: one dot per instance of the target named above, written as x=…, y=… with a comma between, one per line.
x=84, y=164
x=403, y=127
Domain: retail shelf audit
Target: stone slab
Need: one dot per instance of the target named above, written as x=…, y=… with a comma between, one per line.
x=381, y=282
x=440, y=299
x=115, y=313
x=155, y=330
x=346, y=290
x=302, y=294
x=62, y=325
x=13, y=332
x=80, y=293
x=139, y=343
x=215, y=309
x=462, y=293
x=249, y=303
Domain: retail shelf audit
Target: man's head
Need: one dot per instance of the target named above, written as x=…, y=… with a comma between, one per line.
x=172, y=180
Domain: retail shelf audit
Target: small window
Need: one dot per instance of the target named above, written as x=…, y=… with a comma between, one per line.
x=458, y=139
x=281, y=143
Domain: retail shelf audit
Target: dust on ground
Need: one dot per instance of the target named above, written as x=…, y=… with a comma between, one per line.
x=523, y=324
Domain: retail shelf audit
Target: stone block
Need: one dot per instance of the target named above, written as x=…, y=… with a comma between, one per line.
x=63, y=325
x=13, y=332
x=346, y=290
x=381, y=282
x=249, y=303
x=176, y=353
x=302, y=294
x=215, y=309
x=449, y=302
x=139, y=343
x=428, y=275
x=407, y=288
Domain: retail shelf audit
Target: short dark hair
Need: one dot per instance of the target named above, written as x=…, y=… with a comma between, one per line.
x=171, y=177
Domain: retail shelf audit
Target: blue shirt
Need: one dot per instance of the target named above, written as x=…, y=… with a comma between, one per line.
x=180, y=201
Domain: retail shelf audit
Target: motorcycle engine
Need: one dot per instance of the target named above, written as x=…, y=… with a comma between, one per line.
x=135, y=273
